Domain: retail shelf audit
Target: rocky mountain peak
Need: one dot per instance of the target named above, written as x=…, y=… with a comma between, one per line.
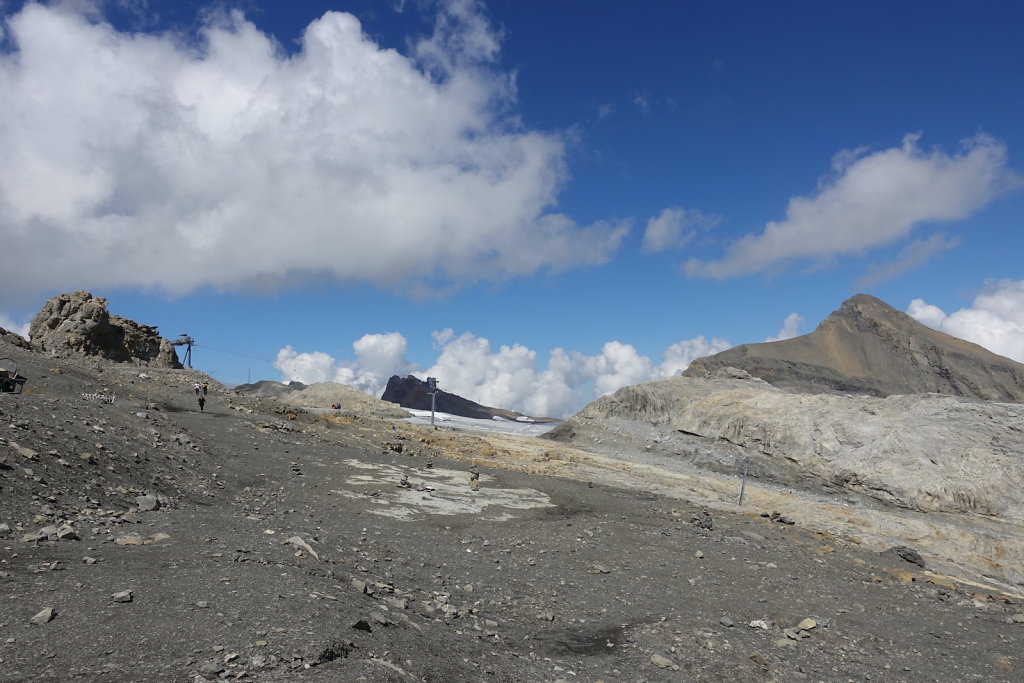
x=866, y=312
x=869, y=347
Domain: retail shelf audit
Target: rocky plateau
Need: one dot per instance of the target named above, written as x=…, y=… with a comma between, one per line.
x=263, y=540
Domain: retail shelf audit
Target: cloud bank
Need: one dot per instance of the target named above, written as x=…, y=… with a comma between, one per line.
x=508, y=377
x=873, y=200
x=220, y=159
x=994, y=320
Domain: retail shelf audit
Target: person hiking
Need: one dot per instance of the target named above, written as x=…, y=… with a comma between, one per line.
x=206, y=387
x=196, y=386
x=202, y=403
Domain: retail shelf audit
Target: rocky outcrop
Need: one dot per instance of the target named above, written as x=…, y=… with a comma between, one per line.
x=924, y=452
x=79, y=324
x=14, y=338
x=412, y=392
x=868, y=347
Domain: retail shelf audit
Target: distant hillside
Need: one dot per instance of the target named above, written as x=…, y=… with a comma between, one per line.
x=868, y=347
x=267, y=387
x=324, y=394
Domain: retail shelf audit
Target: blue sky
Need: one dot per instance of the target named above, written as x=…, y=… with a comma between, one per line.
x=534, y=202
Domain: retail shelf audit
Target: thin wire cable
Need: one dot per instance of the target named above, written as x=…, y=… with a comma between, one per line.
x=224, y=350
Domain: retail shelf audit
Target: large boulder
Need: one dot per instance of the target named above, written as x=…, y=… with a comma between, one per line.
x=868, y=347
x=79, y=324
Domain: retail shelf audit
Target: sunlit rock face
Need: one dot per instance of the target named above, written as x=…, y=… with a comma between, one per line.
x=868, y=347
x=79, y=324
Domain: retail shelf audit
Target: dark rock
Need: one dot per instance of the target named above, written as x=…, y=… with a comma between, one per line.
x=907, y=553
x=412, y=392
x=702, y=520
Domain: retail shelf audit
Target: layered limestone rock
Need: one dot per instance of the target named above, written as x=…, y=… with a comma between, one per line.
x=924, y=452
x=871, y=348
x=79, y=324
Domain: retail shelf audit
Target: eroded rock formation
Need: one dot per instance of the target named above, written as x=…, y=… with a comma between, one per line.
x=79, y=324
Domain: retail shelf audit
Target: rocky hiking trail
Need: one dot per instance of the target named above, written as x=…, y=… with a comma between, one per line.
x=145, y=541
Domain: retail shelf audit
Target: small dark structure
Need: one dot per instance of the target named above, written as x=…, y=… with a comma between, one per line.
x=188, y=342
x=10, y=381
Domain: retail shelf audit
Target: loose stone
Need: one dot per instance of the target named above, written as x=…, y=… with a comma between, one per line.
x=43, y=616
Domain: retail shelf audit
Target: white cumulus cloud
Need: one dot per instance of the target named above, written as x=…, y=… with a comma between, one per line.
x=872, y=200
x=790, y=328
x=509, y=377
x=994, y=320
x=221, y=159
x=378, y=356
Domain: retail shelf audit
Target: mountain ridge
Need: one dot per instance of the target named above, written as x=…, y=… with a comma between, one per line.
x=868, y=347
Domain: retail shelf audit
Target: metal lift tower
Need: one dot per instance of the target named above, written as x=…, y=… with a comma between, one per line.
x=188, y=342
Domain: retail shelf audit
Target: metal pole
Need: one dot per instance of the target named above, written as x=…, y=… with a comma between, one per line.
x=432, y=388
x=743, y=485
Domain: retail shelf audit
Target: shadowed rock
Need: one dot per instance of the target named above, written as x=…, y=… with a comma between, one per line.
x=412, y=392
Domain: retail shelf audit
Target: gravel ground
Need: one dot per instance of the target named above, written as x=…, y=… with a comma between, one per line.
x=146, y=541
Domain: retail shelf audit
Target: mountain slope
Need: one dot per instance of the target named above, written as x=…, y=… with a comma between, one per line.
x=868, y=347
